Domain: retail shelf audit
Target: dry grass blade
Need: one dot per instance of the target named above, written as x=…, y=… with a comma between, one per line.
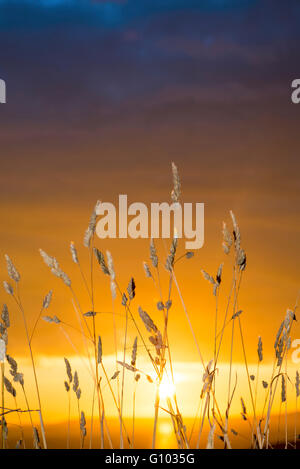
x=99, y=356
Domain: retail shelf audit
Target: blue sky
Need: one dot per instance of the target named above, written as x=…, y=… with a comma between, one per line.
x=139, y=47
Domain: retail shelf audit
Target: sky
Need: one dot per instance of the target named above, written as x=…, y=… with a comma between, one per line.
x=101, y=97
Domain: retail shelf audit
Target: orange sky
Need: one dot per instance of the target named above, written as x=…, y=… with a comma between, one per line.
x=269, y=232
x=131, y=90
x=50, y=208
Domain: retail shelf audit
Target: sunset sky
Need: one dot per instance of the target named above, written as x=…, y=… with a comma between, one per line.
x=101, y=97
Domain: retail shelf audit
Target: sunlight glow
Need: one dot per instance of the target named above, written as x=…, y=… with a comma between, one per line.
x=166, y=388
x=165, y=428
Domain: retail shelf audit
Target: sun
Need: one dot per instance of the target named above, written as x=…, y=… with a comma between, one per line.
x=166, y=388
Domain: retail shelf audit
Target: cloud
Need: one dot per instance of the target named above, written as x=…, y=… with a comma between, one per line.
x=96, y=63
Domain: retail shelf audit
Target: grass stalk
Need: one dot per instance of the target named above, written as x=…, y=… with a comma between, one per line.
x=18, y=301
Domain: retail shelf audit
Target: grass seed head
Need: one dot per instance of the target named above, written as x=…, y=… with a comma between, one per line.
x=131, y=288
x=47, y=300
x=11, y=269
x=74, y=253
x=260, y=349
x=110, y=264
x=68, y=370
x=8, y=288
x=134, y=352
x=75, y=382
x=153, y=254
x=5, y=316
x=82, y=424
x=283, y=389
x=2, y=350
x=176, y=192
x=297, y=384
x=171, y=257
x=9, y=387
x=149, y=324
x=113, y=289
x=99, y=356
x=101, y=260
x=147, y=270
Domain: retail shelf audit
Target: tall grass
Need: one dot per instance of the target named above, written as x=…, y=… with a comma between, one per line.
x=158, y=349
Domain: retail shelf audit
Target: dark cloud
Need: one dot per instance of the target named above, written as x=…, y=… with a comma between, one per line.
x=83, y=66
x=111, y=52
